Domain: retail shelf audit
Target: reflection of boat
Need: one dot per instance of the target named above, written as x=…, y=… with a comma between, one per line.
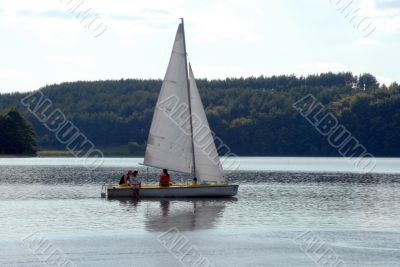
x=186, y=214
x=196, y=216
x=180, y=138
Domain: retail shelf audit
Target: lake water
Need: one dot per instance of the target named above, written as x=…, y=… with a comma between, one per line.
x=289, y=212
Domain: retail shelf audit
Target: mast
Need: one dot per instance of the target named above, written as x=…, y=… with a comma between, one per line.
x=189, y=102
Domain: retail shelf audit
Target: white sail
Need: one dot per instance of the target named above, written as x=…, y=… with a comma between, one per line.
x=207, y=164
x=169, y=144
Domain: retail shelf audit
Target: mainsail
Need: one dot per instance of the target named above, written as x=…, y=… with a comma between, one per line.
x=180, y=138
x=168, y=145
x=208, y=165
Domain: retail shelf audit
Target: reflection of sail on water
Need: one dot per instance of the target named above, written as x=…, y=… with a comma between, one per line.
x=199, y=215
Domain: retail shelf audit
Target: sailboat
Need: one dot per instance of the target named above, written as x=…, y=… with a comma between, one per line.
x=180, y=138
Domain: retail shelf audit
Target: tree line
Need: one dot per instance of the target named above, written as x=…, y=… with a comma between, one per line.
x=253, y=116
x=17, y=136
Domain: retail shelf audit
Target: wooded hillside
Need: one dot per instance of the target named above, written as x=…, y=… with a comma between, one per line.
x=253, y=116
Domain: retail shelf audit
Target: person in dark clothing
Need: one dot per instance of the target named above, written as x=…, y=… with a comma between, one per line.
x=126, y=178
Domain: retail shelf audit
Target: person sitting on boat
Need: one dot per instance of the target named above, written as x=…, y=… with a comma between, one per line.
x=165, y=179
x=135, y=183
x=134, y=180
x=126, y=178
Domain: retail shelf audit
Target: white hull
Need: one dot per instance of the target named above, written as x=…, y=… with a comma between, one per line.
x=150, y=191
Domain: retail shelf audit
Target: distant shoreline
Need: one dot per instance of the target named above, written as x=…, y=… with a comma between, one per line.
x=67, y=154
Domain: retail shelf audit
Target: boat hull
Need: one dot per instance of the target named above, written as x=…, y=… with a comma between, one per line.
x=149, y=191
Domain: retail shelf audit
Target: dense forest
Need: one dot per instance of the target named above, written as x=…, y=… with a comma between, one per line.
x=253, y=116
x=17, y=136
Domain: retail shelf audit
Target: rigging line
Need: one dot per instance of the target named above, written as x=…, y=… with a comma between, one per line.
x=189, y=98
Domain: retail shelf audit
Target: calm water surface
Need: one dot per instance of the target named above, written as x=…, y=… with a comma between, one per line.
x=356, y=215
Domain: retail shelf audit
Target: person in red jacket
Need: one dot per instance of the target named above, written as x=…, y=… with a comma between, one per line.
x=165, y=179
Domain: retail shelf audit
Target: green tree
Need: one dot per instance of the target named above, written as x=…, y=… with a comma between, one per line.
x=16, y=134
x=367, y=81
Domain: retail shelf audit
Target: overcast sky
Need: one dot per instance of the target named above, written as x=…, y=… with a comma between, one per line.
x=43, y=42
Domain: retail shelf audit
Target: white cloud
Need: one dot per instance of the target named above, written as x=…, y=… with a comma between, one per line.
x=219, y=21
x=320, y=67
x=366, y=41
x=9, y=76
x=386, y=80
x=385, y=14
x=222, y=72
x=223, y=22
